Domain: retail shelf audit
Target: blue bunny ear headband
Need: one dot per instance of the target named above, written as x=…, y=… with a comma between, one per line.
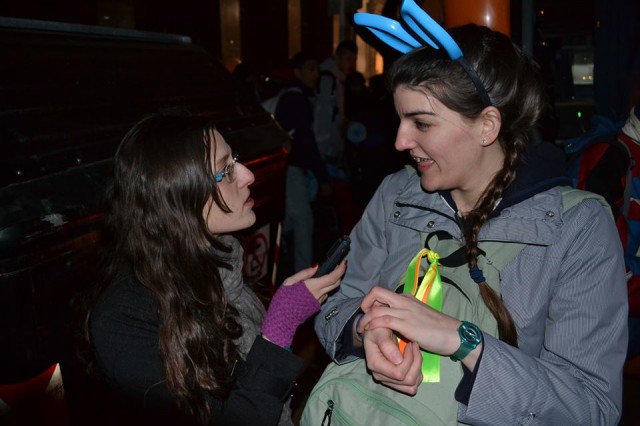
x=395, y=36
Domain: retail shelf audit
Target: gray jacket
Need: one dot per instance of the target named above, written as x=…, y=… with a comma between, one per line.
x=565, y=290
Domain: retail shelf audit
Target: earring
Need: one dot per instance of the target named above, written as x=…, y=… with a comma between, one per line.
x=484, y=140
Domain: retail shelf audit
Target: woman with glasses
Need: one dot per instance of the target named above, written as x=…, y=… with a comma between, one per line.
x=528, y=325
x=177, y=335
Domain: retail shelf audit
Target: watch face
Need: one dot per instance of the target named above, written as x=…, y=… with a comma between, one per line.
x=470, y=338
x=471, y=335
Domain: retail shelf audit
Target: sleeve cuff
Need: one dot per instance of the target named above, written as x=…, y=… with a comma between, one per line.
x=348, y=346
x=463, y=391
x=271, y=369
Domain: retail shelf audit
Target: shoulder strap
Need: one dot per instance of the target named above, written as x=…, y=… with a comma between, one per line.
x=410, y=170
x=495, y=256
x=571, y=197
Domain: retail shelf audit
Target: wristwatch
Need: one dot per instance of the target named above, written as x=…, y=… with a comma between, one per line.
x=470, y=338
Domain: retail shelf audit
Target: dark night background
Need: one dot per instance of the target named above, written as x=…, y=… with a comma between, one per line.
x=608, y=29
x=602, y=33
x=263, y=23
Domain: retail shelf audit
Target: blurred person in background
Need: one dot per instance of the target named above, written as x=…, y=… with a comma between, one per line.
x=306, y=171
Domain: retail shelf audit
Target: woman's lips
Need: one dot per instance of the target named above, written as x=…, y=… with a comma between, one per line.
x=423, y=163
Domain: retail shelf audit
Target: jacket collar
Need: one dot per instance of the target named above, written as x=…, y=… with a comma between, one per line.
x=541, y=167
x=530, y=211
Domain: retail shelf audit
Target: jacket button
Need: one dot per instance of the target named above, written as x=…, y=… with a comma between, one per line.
x=550, y=214
x=396, y=215
x=431, y=224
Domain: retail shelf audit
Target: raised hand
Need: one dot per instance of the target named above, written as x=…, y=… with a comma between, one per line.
x=298, y=298
x=319, y=287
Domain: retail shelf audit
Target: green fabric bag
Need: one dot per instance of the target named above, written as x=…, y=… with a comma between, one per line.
x=347, y=394
x=357, y=400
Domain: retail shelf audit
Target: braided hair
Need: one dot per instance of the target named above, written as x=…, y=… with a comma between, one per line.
x=515, y=88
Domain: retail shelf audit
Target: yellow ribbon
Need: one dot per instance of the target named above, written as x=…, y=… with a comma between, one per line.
x=430, y=293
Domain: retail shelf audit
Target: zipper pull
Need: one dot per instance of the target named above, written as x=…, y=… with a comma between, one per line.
x=328, y=413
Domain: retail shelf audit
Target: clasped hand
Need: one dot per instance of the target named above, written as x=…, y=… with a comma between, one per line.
x=388, y=314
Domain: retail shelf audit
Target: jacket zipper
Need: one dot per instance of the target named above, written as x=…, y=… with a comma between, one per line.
x=384, y=404
x=327, y=413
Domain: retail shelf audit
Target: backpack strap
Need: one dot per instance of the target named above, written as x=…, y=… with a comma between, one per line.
x=494, y=256
x=571, y=197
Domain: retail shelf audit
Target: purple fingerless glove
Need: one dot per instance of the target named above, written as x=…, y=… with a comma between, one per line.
x=289, y=307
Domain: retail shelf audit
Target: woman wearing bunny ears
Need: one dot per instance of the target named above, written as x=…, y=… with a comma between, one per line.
x=533, y=330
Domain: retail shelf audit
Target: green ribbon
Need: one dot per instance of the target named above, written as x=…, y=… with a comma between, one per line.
x=430, y=293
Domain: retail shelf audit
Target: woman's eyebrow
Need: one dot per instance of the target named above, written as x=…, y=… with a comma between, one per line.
x=414, y=113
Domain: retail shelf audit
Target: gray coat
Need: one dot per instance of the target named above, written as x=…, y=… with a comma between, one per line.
x=565, y=290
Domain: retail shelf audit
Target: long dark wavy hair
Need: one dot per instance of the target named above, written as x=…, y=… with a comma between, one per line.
x=154, y=226
x=515, y=88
